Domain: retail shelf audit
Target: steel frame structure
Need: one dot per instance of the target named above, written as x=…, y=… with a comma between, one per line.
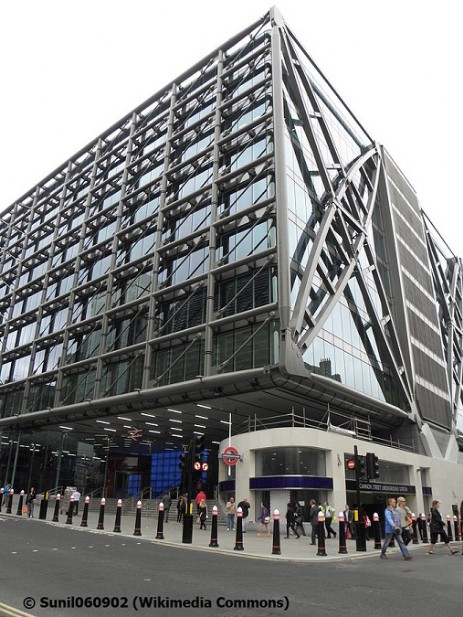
x=155, y=267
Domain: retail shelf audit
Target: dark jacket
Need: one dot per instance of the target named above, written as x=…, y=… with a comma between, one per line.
x=313, y=514
x=436, y=524
x=290, y=516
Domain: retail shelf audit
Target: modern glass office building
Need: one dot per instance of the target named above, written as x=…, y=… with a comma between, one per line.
x=236, y=257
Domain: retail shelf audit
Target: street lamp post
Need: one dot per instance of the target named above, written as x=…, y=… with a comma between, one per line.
x=60, y=458
x=16, y=458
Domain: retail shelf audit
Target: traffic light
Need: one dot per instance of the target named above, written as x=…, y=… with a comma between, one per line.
x=183, y=460
x=198, y=447
x=372, y=465
x=360, y=463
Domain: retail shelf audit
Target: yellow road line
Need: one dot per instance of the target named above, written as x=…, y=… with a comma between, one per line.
x=11, y=611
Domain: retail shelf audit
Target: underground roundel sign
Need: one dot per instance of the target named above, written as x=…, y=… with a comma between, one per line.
x=230, y=456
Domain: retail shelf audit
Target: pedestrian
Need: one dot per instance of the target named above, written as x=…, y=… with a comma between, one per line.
x=393, y=529
x=76, y=496
x=202, y=514
x=329, y=514
x=231, y=511
x=299, y=519
x=437, y=528
x=201, y=495
x=367, y=525
x=313, y=518
x=405, y=519
x=245, y=507
x=167, y=501
x=30, y=502
x=349, y=521
x=290, y=521
x=181, y=507
x=264, y=520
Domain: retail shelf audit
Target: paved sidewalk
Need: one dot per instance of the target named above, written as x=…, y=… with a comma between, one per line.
x=254, y=546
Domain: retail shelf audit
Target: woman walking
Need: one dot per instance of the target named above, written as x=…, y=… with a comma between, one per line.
x=437, y=528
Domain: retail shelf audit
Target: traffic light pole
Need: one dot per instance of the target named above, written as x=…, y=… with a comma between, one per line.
x=187, y=536
x=360, y=540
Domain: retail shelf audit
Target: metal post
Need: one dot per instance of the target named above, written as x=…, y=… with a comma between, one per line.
x=30, y=467
x=19, y=511
x=84, y=521
x=213, y=543
x=117, y=522
x=7, y=472
x=106, y=468
x=101, y=516
x=321, y=552
x=342, y=535
x=239, y=530
x=10, y=501
x=70, y=510
x=55, y=518
x=424, y=528
x=457, y=528
x=137, y=530
x=376, y=531
x=15, y=459
x=160, y=529
x=60, y=458
x=360, y=541
x=276, y=548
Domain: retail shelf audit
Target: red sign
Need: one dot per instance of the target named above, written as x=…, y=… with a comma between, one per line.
x=230, y=456
x=351, y=464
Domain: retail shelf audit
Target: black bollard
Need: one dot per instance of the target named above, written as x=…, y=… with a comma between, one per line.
x=2, y=490
x=43, y=509
x=342, y=535
x=10, y=501
x=213, y=543
x=101, y=516
x=414, y=530
x=55, y=518
x=137, y=530
x=70, y=511
x=376, y=531
x=456, y=525
x=84, y=521
x=424, y=529
x=19, y=511
x=321, y=552
x=160, y=529
x=276, y=548
x=117, y=522
x=449, y=529
x=239, y=530
x=187, y=530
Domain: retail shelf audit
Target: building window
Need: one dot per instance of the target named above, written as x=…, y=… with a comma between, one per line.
x=290, y=461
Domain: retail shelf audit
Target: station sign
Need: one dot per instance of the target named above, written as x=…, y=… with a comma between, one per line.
x=230, y=456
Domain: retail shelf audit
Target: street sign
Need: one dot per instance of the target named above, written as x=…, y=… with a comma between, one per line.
x=351, y=464
x=231, y=456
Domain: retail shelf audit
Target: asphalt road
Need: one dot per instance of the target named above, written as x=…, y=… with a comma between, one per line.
x=72, y=571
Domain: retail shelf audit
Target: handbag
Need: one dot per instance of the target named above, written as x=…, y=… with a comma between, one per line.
x=267, y=519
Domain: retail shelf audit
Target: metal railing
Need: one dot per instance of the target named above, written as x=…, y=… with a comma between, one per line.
x=336, y=422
